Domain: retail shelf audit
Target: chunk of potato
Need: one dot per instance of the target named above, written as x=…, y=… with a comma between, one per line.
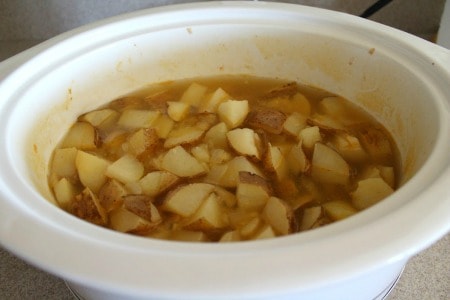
x=212, y=101
x=158, y=182
x=269, y=120
x=184, y=135
x=87, y=207
x=111, y=195
x=125, y=169
x=194, y=94
x=143, y=142
x=252, y=191
x=177, y=111
x=233, y=112
x=279, y=215
x=163, y=125
x=181, y=163
x=233, y=167
x=275, y=162
x=216, y=136
x=376, y=143
x=266, y=232
x=102, y=118
x=349, y=147
x=309, y=137
x=201, y=153
x=251, y=227
x=328, y=166
x=209, y=216
x=245, y=142
x=186, y=199
x=91, y=170
x=338, y=210
x=142, y=206
x=294, y=123
x=81, y=135
x=369, y=192
x=64, y=193
x=297, y=160
x=310, y=217
x=63, y=162
x=230, y=236
x=123, y=220
x=135, y=118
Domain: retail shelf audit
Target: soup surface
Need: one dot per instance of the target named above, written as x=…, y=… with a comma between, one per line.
x=228, y=158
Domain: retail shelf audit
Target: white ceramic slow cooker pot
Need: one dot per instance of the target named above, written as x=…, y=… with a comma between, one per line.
x=401, y=80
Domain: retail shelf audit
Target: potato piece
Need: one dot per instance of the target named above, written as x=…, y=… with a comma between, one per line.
x=216, y=175
x=328, y=166
x=209, y=216
x=158, y=182
x=297, y=161
x=219, y=156
x=125, y=169
x=179, y=162
x=275, y=162
x=142, y=206
x=82, y=136
x=186, y=199
x=279, y=215
x=135, y=118
x=301, y=200
x=228, y=198
x=184, y=135
x=230, y=236
x=349, y=147
x=124, y=220
x=234, y=166
x=194, y=94
x=301, y=104
x=252, y=191
x=251, y=227
x=212, y=101
x=201, y=153
x=102, y=118
x=64, y=193
x=265, y=233
x=269, y=120
x=376, y=143
x=163, y=125
x=216, y=136
x=86, y=206
x=309, y=137
x=294, y=123
x=63, y=162
x=177, y=111
x=143, y=142
x=233, y=112
x=338, y=210
x=245, y=142
x=369, y=192
x=91, y=170
x=325, y=122
x=388, y=174
x=310, y=217
x=111, y=195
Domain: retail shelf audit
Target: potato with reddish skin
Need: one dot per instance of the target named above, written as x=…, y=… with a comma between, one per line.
x=269, y=120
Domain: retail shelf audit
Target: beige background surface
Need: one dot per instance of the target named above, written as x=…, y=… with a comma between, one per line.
x=24, y=23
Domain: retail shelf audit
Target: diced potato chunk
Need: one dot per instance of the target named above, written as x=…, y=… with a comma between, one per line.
x=125, y=169
x=177, y=111
x=64, y=193
x=297, y=160
x=279, y=215
x=266, y=233
x=376, y=143
x=102, y=118
x=369, y=192
x=310, y=136
x=143, y=141
x=212, y=102
x=63, y=162
x=91, y=170
x=157, y=182
x=310, y=217
x=338, y=210
x=201, y=153
x=245, y=142
x=294, y=123
x=124, y=220
x=219, y=156
x=230, y=236
x=179, y=162
x=87, y=207
x=134, y=118
x=186, y=199
x=82, y=136
x=216, y=137
x=251, y=227
x=111, y=195
x=252, y=191
x=163, y=125
x=209, y=216
x=349, y=147
x=269, y=120
x=142, y=206
x=183, y=135
x=275, y=162
x=194, y=94
x=236, y=165
x=328, y=166
x=233, y=112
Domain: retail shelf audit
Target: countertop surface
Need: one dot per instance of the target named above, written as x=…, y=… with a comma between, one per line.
x=426, y=276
